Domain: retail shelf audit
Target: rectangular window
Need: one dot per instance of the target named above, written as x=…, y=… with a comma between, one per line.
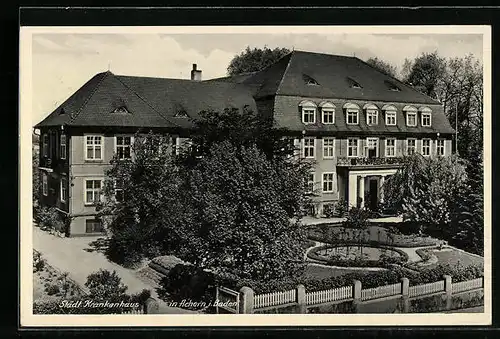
x=92, y=191
x=440, y=147
x=309, y=145
x=426, y=147
x=311, y=180
x=352, y=147
x=119, y=194
x=328, y=116
x=426, y=119
x=123, y=147
x=411, y=119
x=45, y=184
x=93, y=226
x=93, y=147
x=411, y=146
x=63, y=146
x=372, y=117
x=328, y=148
x=372, y=147
x=308, y=115
x=390, y=147
x=45, y=145
x=352, y=117
x=328, y=179
x=390, y=118
x=64, y=189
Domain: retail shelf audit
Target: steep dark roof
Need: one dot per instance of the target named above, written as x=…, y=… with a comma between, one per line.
x=150, y=102
x=334, y=75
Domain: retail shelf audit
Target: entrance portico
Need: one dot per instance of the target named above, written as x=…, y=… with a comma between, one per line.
x=367, y=183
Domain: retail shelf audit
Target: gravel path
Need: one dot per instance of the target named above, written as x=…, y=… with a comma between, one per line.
x=71, y=255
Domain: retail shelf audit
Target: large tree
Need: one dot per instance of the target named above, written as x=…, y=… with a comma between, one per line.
x=426, y=73
x=382, y=66
x=256, y=59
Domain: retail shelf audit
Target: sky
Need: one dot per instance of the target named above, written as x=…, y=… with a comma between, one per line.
x=63, y=62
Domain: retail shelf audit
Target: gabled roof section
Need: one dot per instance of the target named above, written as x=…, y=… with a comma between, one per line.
x=145, y=102
x=335, y=76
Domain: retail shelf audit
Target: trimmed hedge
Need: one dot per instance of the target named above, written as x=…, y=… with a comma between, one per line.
x=385, y=262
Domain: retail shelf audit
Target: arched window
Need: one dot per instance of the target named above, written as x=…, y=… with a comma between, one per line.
x=327, y=112
x=426, y=116
x=352, y=113
x=390, y=114
x=371, y=114
x=411, y=115
x=308, y=111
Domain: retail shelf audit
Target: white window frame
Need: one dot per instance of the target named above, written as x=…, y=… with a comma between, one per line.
x=45, y=145
x=415, y=150
x=422, y=147
x=308, y=110
x=323, y=182
x=373, y=113
x=116, y=144
x=349, y=147
x=328, y=110
x=45, y=184
x=118, y=189
x=85, y=190
x=304, y=148
x=352, y=110
x=444, y=147
x=408, y=113
x=85, y=146
x=63, y=146
x=387, y=147
x=423, y=115
x=64, y=187
x=330, y=147
x=311, y=183
x=377, y=148
x=391, y=114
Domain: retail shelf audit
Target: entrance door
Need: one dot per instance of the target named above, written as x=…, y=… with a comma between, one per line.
x=373, y=194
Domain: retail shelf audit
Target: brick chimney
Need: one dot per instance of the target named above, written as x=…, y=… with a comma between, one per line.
x=195, y=73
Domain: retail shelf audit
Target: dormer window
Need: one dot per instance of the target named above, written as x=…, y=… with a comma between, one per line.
x=352, y=113
x=309, y=80
x=371, y=114
x=62, y=111
x=121, y=109
x=353, y=83
x=426, y=116
x=411, y=116
x=327, y=113
x=390, y=115
x=308, y=111
x=181, y=114
x=391, y=86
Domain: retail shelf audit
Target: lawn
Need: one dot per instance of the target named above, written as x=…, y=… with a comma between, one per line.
x=454, y=257
x=372, y=234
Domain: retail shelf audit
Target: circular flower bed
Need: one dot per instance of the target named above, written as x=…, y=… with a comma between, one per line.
x=358, y=255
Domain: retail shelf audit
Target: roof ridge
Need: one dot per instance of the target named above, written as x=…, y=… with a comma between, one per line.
x=106, y=74
x=146, y=102
x=285, y=71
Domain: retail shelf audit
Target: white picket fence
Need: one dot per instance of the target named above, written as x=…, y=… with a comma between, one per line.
x=381, y=291
x=466, y=285
x=273, y=299
x=430, y=288
x=325, y=296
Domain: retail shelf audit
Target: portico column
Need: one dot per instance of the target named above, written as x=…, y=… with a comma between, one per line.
x=381, y=189
x=362, y=190
x=353, y=190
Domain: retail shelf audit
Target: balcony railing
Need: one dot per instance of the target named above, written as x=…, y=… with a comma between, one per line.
x=344, y=161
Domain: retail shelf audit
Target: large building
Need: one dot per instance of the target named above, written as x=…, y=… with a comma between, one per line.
x=354, y=122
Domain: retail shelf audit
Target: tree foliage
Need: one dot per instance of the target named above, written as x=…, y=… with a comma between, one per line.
x=426, y=73
x=225, y=203
x=382, y=66
x=256, y=59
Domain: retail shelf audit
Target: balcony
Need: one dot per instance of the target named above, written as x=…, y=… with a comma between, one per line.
x=374, y=162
